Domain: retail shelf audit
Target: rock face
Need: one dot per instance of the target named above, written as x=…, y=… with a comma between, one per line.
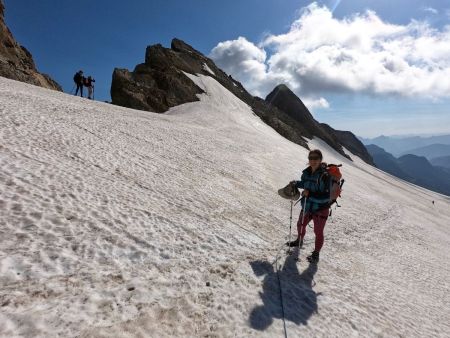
x=285, y=100
x=348, y=140
x=159, y=84
x=16, y=62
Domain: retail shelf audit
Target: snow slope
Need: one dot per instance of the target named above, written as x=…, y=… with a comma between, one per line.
x=121, y=223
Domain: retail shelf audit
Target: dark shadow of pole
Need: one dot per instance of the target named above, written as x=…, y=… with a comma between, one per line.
x=299, y=298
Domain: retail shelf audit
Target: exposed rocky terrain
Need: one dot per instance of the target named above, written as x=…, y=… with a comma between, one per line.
x=16, y=62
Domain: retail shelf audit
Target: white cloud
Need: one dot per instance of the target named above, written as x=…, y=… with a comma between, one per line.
x=321, y=54
x=316, y=103
x=430, y=10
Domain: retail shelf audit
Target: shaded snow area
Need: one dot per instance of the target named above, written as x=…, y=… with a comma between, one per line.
x=121, y=223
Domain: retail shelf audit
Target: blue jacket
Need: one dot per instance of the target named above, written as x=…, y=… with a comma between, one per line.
x=318, y=184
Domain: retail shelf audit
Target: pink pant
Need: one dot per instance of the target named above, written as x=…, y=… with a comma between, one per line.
x=319, y=218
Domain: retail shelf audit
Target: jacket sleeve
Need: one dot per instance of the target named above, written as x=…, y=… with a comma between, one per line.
x=300, y=184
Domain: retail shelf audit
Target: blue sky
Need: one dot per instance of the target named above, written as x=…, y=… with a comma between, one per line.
x=97, y=36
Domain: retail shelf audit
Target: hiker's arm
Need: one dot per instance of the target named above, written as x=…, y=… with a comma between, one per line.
x=300, y=184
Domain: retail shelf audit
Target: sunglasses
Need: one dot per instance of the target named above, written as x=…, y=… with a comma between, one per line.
x=313, y=158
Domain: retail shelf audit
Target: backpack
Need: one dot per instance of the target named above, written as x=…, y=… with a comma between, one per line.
x=336, y=182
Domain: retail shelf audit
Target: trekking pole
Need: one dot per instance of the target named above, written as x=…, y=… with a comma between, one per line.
x=73, y=88
x=290, y=229
x=303, y=210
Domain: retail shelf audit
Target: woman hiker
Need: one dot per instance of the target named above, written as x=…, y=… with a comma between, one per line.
x=315, y=202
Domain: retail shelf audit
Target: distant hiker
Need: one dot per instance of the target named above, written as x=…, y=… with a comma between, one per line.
x=315, y=181
x=78, y=79
x=432, y=202
x=88, y=82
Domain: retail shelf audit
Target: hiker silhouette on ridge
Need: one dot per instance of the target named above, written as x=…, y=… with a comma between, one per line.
x=89, y=83
x=78, y=79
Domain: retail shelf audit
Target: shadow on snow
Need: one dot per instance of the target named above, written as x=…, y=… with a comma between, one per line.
x=299, y=298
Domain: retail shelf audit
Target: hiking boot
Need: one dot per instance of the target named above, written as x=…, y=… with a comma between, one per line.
x=314, y=257
x=295, y=243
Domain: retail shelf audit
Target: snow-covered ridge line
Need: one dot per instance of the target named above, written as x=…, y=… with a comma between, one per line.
x=117, y=222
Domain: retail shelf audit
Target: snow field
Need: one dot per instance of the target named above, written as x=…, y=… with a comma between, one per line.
x=112, y=221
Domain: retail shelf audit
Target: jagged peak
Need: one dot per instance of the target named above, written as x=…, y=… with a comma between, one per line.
x=285, y=90
x=282, y=86
x=181, y=46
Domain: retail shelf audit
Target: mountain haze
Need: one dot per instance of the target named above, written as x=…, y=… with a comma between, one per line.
x=401, y=145
x=412, y=168
x=430, y=151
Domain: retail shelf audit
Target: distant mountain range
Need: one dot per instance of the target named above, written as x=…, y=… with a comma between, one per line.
x=398, y=146
x=443, y=161
x=412, y=168
x=431, y=151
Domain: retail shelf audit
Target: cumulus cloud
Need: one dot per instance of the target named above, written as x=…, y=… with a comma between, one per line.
x=321, y=54
x=316, y=103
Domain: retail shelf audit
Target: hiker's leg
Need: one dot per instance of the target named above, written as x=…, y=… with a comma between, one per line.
x=76, y=91
x=301, y=227
x=319, y=219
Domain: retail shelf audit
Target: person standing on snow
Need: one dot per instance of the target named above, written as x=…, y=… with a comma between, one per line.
x=90, y=86
x=78, y=79
x=315, y=181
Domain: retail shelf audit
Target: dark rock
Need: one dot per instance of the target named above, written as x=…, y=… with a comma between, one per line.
x=299, y=117
x=16, y=62
x=157, y=84
x=348, y=140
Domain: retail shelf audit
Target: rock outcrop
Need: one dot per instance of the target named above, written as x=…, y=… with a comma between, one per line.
x=285, y=100
x=16, y=62
x=160, y=83
x=348, y=140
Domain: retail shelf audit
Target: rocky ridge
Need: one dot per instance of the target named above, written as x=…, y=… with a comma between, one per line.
x=16, y=62
x=160, y=83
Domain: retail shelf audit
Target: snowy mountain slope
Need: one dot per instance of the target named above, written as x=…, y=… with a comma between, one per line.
x=113, y=221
